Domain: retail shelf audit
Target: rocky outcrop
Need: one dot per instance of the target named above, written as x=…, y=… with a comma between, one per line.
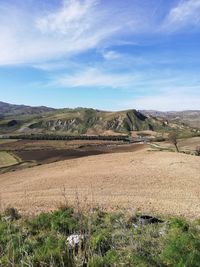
x=116, y=124
x=58, y=125
x=123, y=122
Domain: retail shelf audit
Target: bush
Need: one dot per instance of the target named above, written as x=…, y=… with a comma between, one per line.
x=101, y=241
x=182, y=249
x=197, y=151
x=61, y=221
x=96, y=261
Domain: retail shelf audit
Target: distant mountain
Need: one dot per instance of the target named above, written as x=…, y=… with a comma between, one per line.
x=18, y=119
x=190, y=117
x=10, y=109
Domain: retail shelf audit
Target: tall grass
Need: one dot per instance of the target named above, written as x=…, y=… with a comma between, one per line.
x=106, y=239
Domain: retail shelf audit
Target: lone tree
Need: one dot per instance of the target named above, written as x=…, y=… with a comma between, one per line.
x=197, y=150
x=173, y=140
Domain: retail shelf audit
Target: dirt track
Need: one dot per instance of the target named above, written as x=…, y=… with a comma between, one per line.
x=161, y=182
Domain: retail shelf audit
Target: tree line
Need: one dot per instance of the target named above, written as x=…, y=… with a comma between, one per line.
x=124, y=138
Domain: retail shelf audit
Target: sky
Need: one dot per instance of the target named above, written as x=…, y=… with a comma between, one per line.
x=104, y=54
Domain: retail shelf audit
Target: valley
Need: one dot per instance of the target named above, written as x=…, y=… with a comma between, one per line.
x=111, y=158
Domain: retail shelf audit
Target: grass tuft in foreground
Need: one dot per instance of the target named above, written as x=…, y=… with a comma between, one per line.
x=96, y=239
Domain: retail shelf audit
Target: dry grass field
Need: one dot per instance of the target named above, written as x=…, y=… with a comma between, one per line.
x=151, y=181
x=186, y=144
x=7, y=141
x=189, y=143
x=7, y=159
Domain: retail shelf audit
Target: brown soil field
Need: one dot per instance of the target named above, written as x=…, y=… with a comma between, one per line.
x=48, y=156
x=18, y=145
x=51, y=155
x=149, y=181
x=33, y=152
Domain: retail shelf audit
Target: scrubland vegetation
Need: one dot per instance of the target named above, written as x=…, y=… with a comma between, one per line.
x=102, y=239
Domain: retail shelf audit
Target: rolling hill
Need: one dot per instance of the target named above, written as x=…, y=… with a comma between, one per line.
x=190, y=117
x=18, y=119
x=11, y=109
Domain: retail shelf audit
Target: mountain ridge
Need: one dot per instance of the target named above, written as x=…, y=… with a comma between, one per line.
x=10, y=109
x=190, y=117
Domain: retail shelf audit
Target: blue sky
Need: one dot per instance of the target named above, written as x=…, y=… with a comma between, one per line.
x=105, y=54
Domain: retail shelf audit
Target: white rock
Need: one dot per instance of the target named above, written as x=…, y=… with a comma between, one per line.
x=74, y=240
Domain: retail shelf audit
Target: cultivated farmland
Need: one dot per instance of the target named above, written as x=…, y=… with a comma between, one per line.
x=151, y=181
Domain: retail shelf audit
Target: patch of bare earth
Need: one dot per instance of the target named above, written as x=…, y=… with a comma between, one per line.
x=161, y=182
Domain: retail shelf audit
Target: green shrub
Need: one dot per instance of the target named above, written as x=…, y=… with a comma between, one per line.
x=101, y=241
x=41, y=222
x=64, y=222
x=52, y=251
x=61, y=221
x=96, y=261
x=182, y=249
x=112, y=257
x=179, y=223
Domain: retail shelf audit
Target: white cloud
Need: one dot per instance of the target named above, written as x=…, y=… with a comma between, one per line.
x=95, y=78
x=186, y=13
x=77, y=26
x=68, y=18
x=111, y=55
x=50, y=66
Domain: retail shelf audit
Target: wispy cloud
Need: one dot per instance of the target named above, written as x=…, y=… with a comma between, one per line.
x=89, y=44
x=135, y=81
x=50, y=66
x=72, y=16
x=111, y=55
x=75, y=27
x=93, y=78
x=80, y=25
x=186, y=13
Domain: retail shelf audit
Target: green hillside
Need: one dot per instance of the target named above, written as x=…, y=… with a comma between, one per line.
x=83, y=121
